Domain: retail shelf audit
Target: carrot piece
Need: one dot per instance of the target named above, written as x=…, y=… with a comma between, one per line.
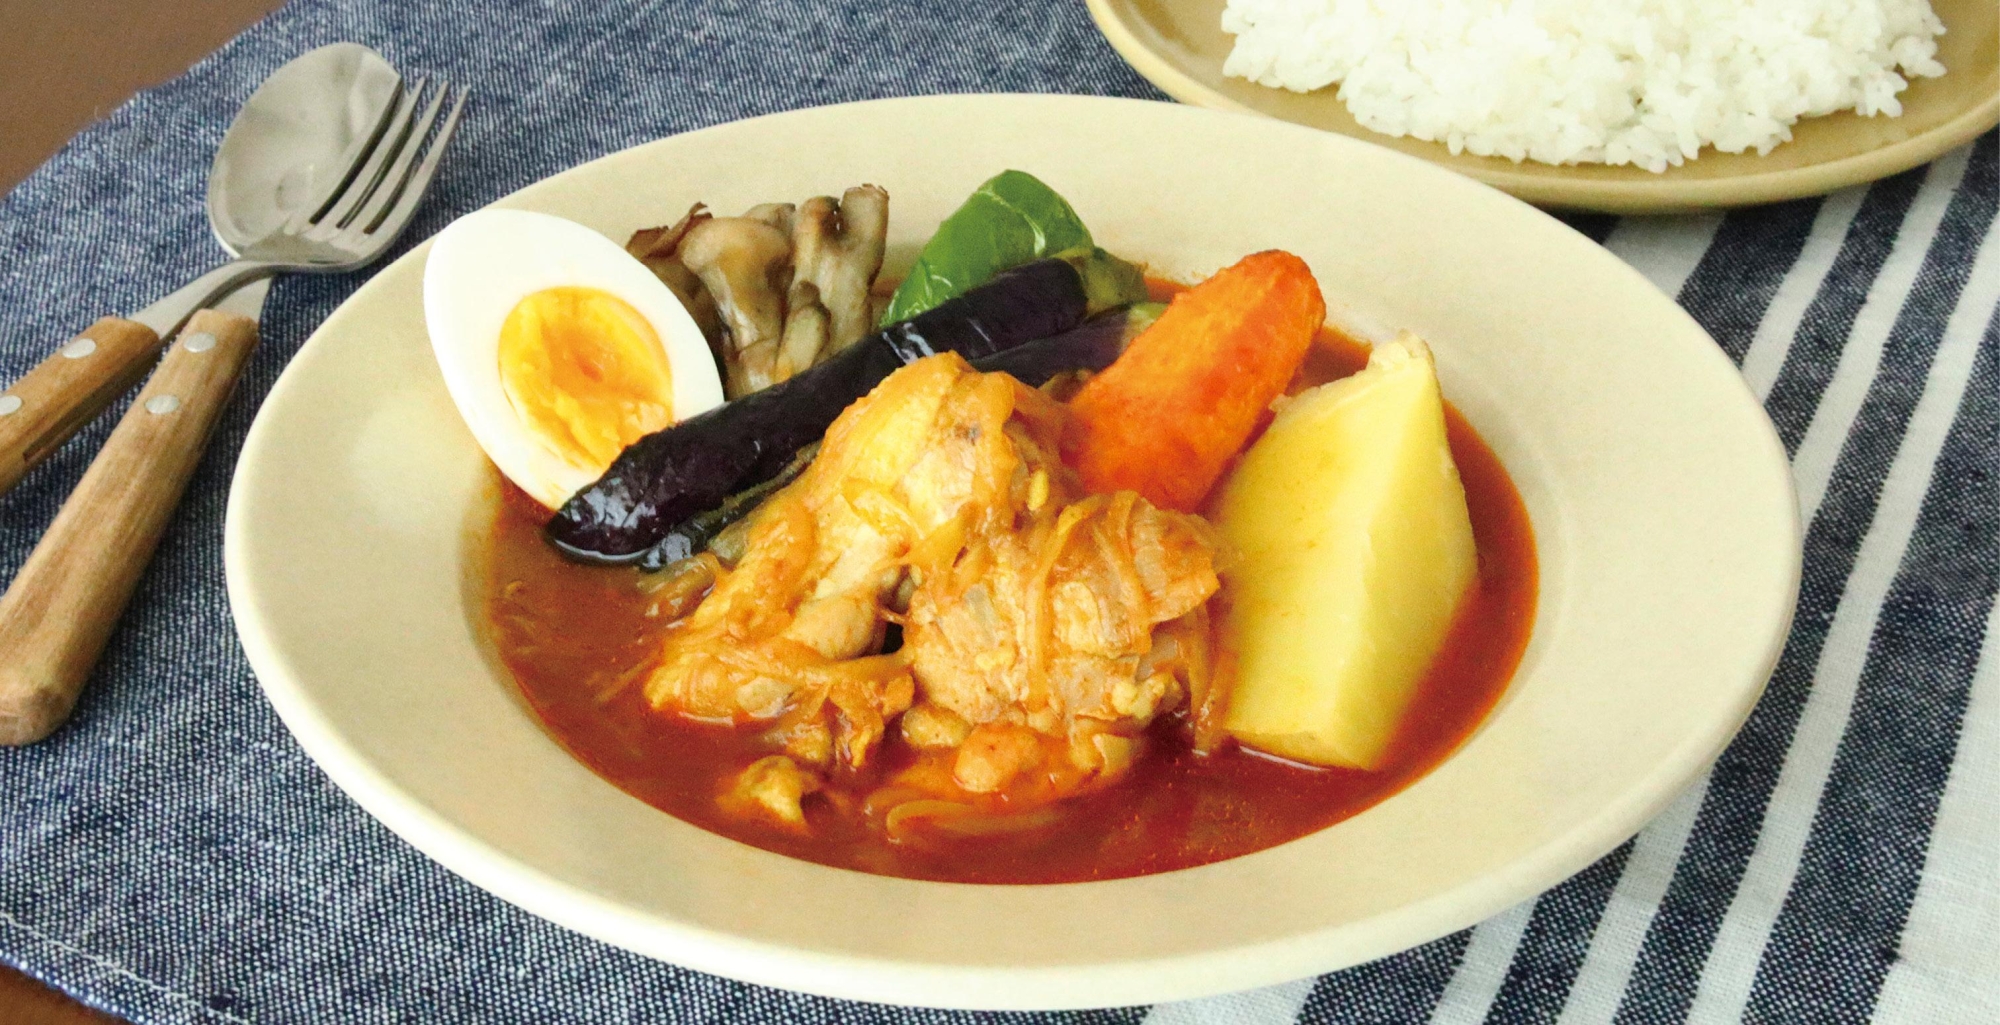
x=1166, y=418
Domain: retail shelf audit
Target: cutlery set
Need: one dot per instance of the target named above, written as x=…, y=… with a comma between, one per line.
x=319, y=173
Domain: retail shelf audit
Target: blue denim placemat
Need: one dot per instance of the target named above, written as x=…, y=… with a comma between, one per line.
x=171, y=856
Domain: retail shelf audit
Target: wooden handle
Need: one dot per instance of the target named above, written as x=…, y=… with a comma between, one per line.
x=68, y=390
x=60, y=610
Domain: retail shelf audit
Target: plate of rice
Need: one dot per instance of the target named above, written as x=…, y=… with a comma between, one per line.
x=1623, y=106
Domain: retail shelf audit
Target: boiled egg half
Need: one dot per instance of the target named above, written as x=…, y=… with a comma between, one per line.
x=558, y=347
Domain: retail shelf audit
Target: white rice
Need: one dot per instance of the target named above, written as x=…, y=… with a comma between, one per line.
x=1644, y=82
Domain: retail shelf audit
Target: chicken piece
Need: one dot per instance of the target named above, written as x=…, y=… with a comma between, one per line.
x=1043, y=630
x=774, y=789
x=796, y=622
x=1079, y=624
x=1049, y=626
x=928, y=725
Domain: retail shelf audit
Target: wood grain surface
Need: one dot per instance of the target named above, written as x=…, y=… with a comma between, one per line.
x=66, y=63
x=63, y=64
x=23, y=1001
x=79, y=377
x=61, y=607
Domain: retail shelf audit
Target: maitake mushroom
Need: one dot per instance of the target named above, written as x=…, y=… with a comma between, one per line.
x=655, y=248
x=781, y=287
x=742, y=263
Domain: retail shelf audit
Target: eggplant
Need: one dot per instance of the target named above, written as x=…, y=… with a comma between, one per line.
x=671, y=475
x=1091, y=346
x=692, y=536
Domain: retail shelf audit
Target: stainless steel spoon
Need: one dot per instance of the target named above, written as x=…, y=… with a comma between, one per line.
x=298, y=141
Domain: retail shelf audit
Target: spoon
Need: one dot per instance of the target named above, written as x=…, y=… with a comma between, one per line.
x=292, y=149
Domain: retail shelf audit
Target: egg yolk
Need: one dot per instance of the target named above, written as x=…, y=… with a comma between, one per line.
x=585, y=372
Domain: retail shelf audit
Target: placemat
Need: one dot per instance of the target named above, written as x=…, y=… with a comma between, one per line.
x=171, y=855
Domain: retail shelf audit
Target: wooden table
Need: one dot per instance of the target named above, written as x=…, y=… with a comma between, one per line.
x=23, y=1001
x=66, y=63
x=63, y=64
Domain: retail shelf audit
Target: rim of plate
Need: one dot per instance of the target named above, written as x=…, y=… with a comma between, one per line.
x=1110, y=982
x=1654, y=196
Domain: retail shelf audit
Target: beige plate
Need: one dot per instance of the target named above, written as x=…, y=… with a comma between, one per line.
x=1665, y=516
x=1180, y=45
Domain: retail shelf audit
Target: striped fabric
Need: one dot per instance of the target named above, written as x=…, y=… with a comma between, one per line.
x=173, y=857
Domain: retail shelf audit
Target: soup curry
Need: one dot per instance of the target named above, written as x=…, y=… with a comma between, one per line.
x=579, y=640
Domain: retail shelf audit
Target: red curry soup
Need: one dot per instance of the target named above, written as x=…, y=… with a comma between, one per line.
x=580, y=640
x=1025, y=569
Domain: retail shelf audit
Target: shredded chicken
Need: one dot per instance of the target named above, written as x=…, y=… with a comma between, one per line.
x=1043, y=630
x=1044, y=626
x=772, y=788
x=934, y=726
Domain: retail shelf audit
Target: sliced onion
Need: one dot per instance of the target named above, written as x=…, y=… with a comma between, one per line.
x=960, y=819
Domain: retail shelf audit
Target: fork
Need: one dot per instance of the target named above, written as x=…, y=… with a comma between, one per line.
x=360, y=217
x=59, y=612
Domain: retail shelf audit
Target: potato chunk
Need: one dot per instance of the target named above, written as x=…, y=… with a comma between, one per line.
x=1355, y=550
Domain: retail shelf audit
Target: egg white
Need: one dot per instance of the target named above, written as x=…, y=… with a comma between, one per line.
x=485, y=263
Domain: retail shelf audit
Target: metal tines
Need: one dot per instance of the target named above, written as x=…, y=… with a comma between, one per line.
x=375, y=202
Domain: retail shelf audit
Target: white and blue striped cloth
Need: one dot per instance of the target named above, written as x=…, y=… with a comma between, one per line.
x=173, y=857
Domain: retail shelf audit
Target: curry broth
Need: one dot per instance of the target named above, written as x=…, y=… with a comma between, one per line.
x=576, y=639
